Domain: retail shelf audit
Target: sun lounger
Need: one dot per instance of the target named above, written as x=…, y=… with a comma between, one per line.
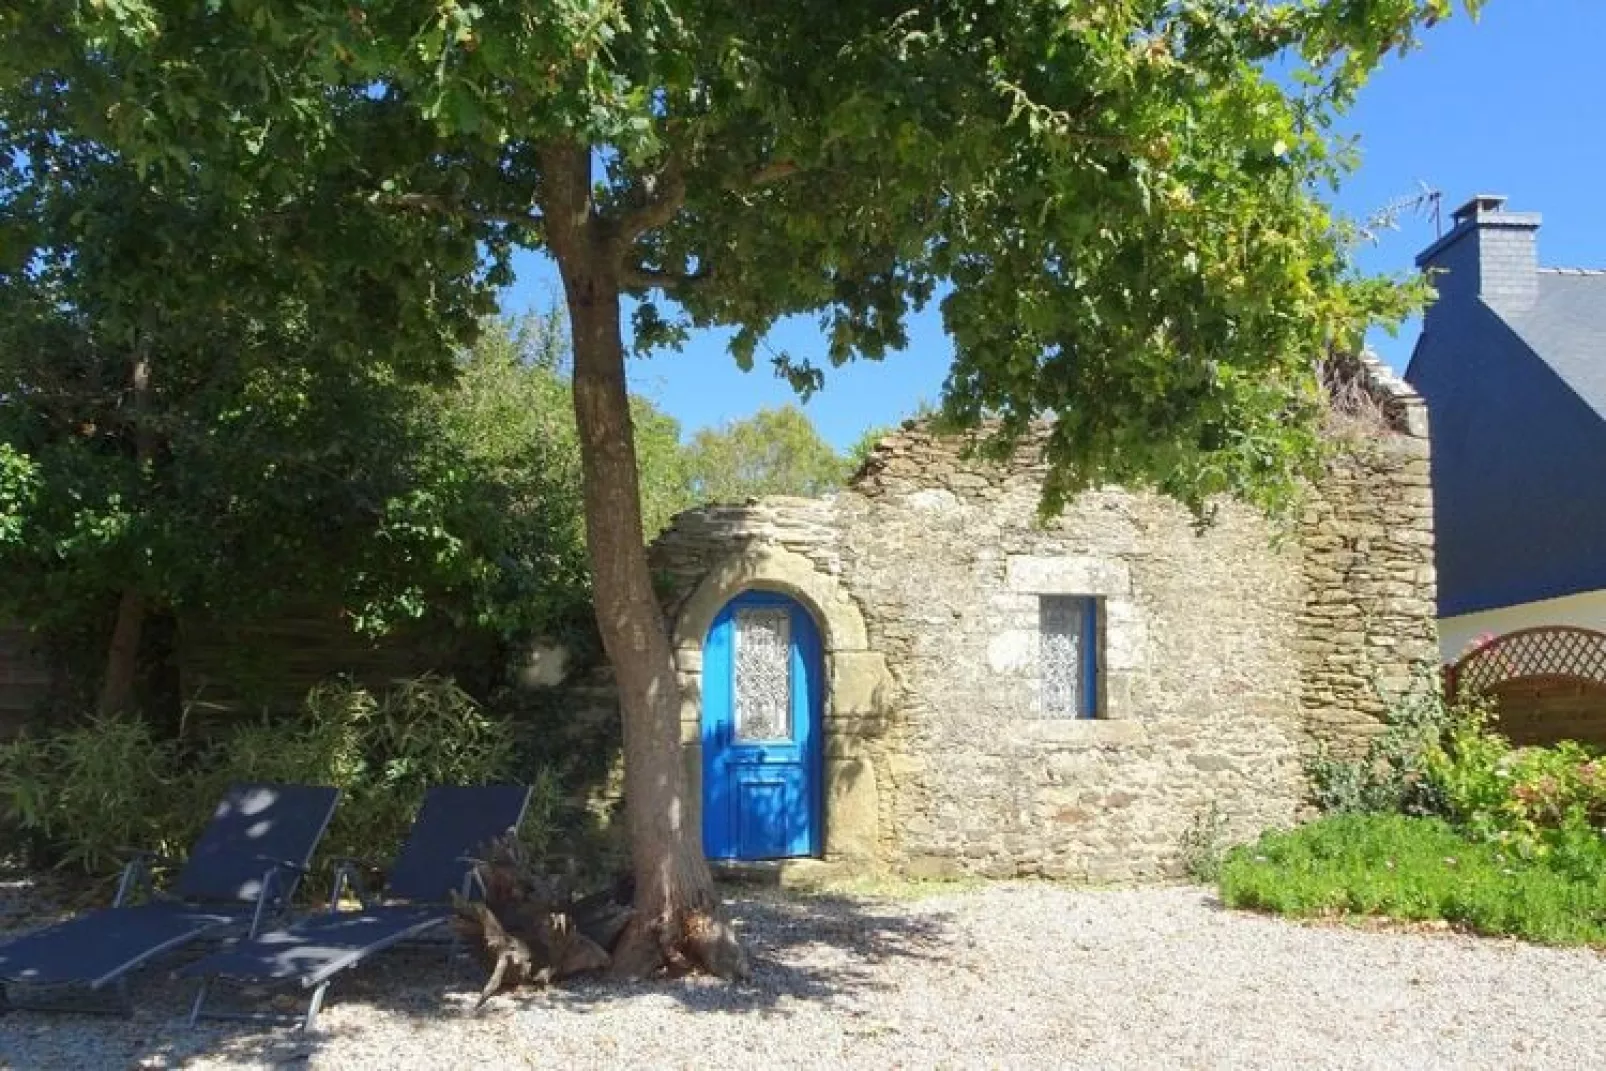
x=241, y=873
x=436, y=861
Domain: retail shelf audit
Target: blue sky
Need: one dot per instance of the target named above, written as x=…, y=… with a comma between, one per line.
x=1513, y=103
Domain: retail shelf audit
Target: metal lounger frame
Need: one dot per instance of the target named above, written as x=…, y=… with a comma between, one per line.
x=320, y=982
x=346, y=874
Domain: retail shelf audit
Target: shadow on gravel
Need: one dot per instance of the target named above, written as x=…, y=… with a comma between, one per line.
x=804, y=947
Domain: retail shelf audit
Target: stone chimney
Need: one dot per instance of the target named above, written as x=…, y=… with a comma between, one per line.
x=1490, y=254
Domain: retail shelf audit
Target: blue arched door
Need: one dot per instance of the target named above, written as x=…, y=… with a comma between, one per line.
x=761, y=730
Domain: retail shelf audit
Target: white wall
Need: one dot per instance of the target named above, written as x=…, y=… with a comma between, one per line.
x=1456, y=634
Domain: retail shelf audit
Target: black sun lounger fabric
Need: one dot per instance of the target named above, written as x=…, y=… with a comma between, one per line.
x=319, y=946
x=95, y=948
x=454, y=822
x=255, y=827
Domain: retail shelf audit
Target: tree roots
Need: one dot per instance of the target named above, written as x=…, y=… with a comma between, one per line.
x=530, y=930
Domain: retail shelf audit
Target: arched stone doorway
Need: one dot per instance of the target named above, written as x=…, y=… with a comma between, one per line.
x=855, y=689
x=763, y=693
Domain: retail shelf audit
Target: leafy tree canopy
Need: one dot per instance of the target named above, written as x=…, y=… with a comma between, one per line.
x=1120, y=196
x=312, y=484
x=198, y=380
x=772, y=452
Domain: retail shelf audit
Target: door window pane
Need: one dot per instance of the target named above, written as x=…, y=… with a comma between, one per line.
x=763, y=684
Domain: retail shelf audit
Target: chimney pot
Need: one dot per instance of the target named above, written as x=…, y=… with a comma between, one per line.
x=1491, y=253
x=1482, y=204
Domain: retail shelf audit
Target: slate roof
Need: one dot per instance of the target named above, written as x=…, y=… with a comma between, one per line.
x=1512, y=365
x=1566, y=328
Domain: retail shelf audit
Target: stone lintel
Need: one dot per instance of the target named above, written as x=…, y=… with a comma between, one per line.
x=1070, y=574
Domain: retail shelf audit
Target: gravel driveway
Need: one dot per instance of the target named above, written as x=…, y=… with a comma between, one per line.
x=1003, y=976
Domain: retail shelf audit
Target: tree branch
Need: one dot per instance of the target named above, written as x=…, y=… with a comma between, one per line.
x=429, y=202
x=635, y=277
x=771, y=173
x=665, y=192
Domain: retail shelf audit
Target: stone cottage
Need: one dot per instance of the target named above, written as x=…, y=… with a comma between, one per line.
x=917, y=674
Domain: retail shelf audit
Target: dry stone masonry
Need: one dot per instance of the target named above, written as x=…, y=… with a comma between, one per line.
x=1225, y=656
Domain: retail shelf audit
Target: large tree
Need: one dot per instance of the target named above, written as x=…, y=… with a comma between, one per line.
x=773, y=452
x=184, y=370
x=1117, y=201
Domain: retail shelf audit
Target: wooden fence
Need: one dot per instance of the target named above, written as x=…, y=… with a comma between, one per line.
x=1548, y=683
x=271, y=665
x=228, y=668
x=24, y=679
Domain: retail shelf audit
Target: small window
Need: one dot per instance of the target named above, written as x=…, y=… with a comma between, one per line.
x=1067, y=628
x=763, y=685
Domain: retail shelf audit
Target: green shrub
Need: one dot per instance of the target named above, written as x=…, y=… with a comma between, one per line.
x=1531, y=801
x=1444, y=819
x=89, y=793
x=1204, y=844
x=1418, y=869
x=383, y=752
x=1392, y=777
x=1438, y=758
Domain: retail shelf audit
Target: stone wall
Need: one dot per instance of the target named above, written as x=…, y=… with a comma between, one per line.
x=1367, y=624
x=1226, y=655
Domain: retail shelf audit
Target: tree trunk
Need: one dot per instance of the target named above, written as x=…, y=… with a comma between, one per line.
x=122, y=655
x=677, y=913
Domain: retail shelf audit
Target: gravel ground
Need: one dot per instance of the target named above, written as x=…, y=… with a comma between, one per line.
x=1003, y=976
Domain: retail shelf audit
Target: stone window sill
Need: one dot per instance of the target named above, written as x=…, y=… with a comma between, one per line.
x=1091, y=731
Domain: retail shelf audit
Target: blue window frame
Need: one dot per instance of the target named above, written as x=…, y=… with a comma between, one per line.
x=1068, y=650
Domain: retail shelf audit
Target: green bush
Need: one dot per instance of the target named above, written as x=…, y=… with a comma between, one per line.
x=1531, y=801
x=1419, y=869
x=89, y=793
x=1392, y=777
x=1443, y=818
x=1446, y=759
x=383, y=752
x=1204, y=845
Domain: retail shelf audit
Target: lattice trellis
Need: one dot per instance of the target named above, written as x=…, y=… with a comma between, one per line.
x=1556, y=652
